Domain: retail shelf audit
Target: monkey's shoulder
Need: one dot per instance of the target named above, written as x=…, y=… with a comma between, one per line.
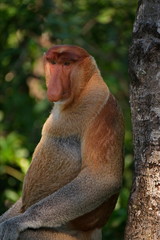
x=111, y=114
x=108, y=122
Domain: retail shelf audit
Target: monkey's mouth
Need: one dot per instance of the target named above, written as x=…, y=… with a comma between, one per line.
x=65, y=95
x=64, y=98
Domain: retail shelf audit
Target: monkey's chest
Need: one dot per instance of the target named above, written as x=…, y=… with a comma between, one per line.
x=56, y=161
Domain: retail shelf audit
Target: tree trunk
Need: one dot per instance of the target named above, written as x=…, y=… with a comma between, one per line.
x=144, y=66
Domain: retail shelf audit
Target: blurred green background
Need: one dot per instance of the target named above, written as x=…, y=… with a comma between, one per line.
x=27, y=29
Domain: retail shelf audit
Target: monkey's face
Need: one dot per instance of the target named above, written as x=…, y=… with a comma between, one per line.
x=63, y=65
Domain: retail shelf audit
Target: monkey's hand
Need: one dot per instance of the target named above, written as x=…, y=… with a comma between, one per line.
x=12, y=212
x=10, y=229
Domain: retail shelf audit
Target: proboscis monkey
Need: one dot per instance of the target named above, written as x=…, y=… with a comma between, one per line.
x=75, y=175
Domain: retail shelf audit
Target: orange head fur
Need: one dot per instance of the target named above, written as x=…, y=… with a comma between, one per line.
x=67, y=69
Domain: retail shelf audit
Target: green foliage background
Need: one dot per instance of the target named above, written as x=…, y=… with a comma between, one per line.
x=28, y=28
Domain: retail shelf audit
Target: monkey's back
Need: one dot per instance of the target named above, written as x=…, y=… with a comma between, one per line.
x=110, y=122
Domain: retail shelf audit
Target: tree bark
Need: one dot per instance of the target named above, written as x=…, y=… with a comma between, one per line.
x=144, y=67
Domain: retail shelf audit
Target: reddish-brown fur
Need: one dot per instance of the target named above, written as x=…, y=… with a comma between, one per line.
x=110, y=122
x=106, y=130
x=81, y=145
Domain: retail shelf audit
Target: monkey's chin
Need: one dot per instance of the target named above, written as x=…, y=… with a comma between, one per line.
x=62, y=101
x=65, y=98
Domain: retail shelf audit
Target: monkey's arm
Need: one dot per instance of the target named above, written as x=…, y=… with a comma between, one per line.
x=12, y=212
x=82, y=195
x=85, y=193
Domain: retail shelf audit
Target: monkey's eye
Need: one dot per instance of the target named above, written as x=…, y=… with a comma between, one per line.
x=53, y=62
x=66, y=63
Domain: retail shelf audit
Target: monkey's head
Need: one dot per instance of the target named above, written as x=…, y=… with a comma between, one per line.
x=67, y=70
